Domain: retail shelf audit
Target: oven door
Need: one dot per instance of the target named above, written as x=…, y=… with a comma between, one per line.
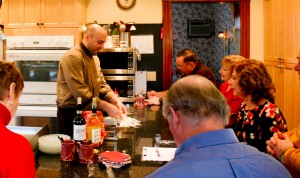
x=39, y=69
x=124, y=85
x=39, y=76
x=38, y=58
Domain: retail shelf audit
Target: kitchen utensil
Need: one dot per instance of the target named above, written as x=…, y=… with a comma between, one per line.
x=122, y=28
x=61, y=139
x=132, y=28
x=125, y=39
x=128, y=26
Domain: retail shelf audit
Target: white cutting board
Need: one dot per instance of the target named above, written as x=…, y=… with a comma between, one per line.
x=141, y=81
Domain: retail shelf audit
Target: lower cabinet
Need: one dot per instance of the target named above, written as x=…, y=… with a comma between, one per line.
x=287, y=95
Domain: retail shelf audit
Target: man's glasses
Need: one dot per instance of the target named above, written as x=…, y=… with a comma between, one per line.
x=184, y=65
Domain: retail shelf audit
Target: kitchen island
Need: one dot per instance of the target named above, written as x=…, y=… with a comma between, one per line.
x=130, y=140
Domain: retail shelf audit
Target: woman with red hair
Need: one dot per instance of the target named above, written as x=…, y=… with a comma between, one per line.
x=258, y=117
x=17, y=159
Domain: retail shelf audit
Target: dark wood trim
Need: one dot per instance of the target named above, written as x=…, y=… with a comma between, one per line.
x=245, y=28
x=167, y=45
x=167, y=35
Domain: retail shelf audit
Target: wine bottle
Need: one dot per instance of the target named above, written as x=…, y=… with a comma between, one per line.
x=94, y=126
x=79, y=124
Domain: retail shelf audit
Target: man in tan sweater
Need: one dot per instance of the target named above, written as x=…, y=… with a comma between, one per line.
x=79, y=75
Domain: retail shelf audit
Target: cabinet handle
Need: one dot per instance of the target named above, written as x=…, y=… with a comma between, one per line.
x=37, y=23
x=42, y=23
x=280, y=66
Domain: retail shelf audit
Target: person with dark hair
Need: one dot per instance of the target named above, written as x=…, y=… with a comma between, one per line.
x=286, y=146
x=187, y=63
x=258, y=117
x=79, y=75
x=197, y=113
x=16, y=154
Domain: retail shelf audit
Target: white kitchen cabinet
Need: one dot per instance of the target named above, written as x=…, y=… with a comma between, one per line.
x=282, y=42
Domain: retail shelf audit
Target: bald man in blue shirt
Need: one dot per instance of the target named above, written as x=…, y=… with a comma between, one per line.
x=197, y=114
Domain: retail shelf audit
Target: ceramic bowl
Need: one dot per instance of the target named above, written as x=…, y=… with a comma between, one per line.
x=51, y=144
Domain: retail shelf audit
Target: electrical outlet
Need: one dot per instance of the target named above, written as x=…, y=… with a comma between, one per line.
x=151, y=76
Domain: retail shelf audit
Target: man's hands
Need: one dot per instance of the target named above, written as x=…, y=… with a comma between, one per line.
x=278, y=143
x=153, y=100
x=160, y=94
x=121, y=107
x=151, y=94
x=115, y=109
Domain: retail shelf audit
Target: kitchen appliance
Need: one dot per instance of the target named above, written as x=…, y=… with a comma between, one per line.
x=119, y=67
x=124, y=85
x=118, y=60
x=38, y=57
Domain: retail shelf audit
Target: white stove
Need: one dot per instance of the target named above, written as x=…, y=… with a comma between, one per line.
x=38, y=57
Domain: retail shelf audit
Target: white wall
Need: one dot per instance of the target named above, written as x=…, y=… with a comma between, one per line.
x=256, y=30
x=107, y=12
x=150, y=11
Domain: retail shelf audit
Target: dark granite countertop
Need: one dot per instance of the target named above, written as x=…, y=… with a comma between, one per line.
x=130, y=140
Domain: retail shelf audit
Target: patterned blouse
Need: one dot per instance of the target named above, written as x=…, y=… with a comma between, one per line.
x=257, y=126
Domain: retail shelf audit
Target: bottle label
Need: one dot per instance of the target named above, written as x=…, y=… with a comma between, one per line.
x=96, y=135
x=79, y=132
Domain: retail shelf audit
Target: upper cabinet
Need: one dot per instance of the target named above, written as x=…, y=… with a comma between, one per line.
x=281, y=30
x=44, y=17
x=44, y=13
x=282, y=42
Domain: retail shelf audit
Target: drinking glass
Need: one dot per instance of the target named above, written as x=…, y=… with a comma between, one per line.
x=157, y=138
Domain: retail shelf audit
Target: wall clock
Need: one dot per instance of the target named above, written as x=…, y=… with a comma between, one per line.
x=126, y=4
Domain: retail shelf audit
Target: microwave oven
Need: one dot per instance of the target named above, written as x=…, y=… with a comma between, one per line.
x=118, y=61
x=124, y=85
